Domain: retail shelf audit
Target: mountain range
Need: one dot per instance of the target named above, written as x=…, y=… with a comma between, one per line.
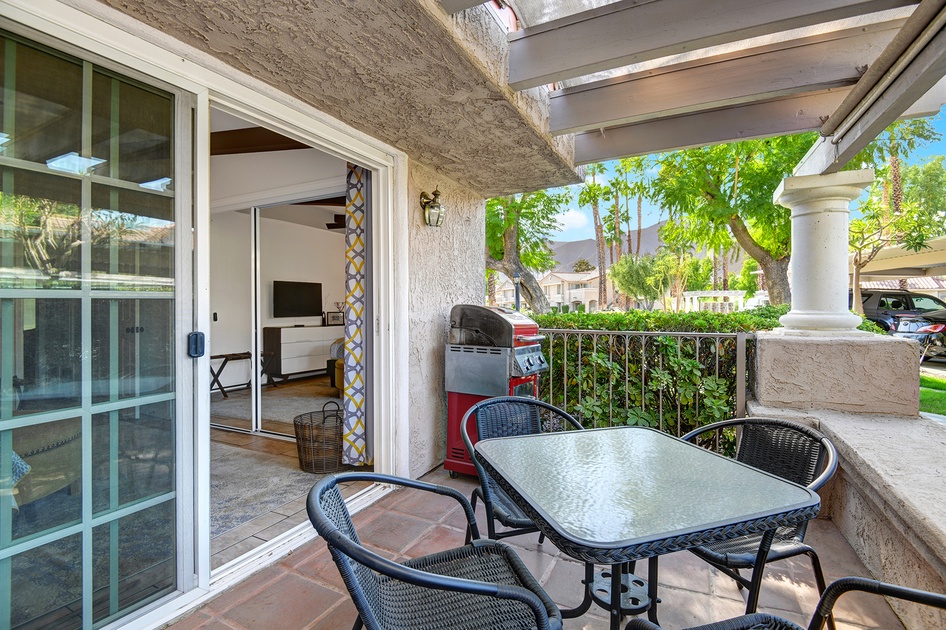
x=567, y=253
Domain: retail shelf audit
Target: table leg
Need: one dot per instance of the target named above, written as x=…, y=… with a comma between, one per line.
x=588, y=584
x=758, y=570
x=616, y=592
x=652, y=588
x=215, y=377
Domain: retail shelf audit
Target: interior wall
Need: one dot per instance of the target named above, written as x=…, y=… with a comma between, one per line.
x=300, y=254
x=230, y=291
x=287, y=252
x=446, y=268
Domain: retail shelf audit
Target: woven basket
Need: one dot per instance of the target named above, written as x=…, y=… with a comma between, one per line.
x=319, y=439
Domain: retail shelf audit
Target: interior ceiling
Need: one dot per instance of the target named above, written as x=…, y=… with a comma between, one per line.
x=231, y=135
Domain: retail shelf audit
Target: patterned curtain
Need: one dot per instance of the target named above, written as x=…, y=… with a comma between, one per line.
x=356, y=430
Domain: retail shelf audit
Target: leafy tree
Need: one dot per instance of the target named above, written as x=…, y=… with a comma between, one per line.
x=731, y=185
x=518, y=228
x=745, y=280
x=699, y=277
x=919, y=215
x=582, y=266
x=727, y=188
x=593, y=194
x=636, y=277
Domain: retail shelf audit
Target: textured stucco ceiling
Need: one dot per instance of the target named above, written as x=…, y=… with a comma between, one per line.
x=393, y=69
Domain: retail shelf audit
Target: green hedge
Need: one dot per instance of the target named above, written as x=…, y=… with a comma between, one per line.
x=749, y=320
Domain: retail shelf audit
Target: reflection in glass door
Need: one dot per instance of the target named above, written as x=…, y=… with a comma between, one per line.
x=88, y=398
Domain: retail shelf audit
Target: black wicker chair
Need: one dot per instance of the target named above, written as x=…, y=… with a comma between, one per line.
x=480, y=585
x=505, y=416
x=791, y=451
x=822, y=614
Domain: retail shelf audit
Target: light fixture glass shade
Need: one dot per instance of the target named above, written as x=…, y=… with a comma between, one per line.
x=433, y=210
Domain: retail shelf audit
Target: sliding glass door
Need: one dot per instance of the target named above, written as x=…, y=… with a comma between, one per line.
x=90, y=371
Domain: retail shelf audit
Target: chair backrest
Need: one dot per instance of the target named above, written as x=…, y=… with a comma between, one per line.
x=506, y=416
x=512, y=415
x=791, y=451
x=847, y=584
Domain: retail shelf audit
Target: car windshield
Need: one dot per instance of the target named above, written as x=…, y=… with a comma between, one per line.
x=927, y=303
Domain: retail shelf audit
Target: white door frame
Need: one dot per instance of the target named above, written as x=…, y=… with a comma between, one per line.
x=121, y=39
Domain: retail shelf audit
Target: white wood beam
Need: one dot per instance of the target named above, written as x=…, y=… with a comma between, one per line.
x=757, y=120
x=455, y=6
x=631, y=31
x=801, y=66
x=928, y=67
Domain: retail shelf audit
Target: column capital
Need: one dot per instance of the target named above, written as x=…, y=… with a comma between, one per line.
x=847, y=185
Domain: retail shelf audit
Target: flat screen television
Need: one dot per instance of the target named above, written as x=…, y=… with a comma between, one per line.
x=297, y=299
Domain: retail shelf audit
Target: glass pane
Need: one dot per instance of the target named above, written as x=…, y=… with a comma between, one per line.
x=133, y=560
x=132, y=239
x=131, y=132
x=132, y=455
x=40, y=230
x=46, y=590
x=43, y=338
x=46, y=120
x=46, y=482
x=131, y=348
x=927, y=303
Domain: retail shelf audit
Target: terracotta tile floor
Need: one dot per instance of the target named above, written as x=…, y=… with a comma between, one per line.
x=303, y=589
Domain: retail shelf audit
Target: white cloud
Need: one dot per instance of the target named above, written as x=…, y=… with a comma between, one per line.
x=573, y=219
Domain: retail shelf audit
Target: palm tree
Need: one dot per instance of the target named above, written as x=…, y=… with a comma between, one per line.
x=593, y=193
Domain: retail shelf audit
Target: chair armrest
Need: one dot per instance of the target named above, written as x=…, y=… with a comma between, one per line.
x=408, y=483
x=847, y=584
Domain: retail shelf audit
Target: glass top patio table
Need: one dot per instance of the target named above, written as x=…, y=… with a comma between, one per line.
x=627, y=493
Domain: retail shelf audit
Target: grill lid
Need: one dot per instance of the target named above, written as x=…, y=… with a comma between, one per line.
x=475, y=325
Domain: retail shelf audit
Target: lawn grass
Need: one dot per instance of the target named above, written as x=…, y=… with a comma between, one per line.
x=932, y=395
x=931, y=382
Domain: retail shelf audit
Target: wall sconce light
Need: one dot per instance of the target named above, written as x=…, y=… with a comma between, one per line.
x=433, y=211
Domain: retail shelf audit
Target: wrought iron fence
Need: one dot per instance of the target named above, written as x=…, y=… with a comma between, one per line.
x=674, y=381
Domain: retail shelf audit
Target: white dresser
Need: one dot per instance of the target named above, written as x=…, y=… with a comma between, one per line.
x=298, y=349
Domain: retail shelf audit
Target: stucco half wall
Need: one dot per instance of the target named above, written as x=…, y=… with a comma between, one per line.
x=865, y=374
x=446, y=268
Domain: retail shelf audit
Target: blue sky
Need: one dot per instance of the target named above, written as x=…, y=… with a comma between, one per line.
x=576, y=223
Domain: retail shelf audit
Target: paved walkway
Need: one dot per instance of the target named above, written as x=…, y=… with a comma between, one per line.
x=304, y=591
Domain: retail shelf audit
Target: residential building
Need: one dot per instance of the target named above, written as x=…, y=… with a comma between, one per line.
x=165, y=164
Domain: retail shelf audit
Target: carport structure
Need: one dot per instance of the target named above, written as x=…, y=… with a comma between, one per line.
x=899, y=262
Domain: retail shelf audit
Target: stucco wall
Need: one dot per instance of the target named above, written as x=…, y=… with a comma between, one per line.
x=872, y=374
x=446, y=268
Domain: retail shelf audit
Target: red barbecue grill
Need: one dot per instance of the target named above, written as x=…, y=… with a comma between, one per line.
x=493, y=351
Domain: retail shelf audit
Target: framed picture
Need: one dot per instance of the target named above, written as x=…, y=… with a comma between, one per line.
x=334, y=318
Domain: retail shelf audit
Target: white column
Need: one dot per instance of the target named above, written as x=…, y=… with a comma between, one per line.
x=819, y=265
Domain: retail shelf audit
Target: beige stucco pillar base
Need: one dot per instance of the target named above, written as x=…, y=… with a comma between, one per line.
x=873, y=374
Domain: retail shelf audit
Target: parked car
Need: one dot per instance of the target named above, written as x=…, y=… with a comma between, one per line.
x=929, y=329
x=885, y=306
